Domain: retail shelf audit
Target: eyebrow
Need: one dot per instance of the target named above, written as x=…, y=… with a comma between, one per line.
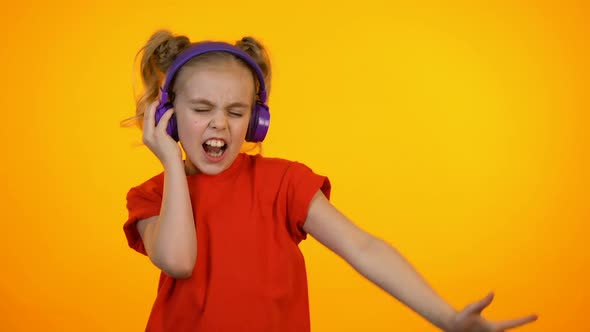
x=209, y=103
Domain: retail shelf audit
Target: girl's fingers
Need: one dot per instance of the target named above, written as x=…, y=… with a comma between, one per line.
x=163, y=123
x=477, y=307
x=512, y=323
x=148, y=117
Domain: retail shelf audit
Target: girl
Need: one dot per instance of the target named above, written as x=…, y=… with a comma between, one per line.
x=224, y=226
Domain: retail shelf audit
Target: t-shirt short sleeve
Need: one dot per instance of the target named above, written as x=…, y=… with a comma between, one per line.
x=143, y=201
x=303, y=184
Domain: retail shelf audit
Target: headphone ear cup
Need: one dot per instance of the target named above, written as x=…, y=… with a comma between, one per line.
x=259, y=123
x=252, y=124
x=172, y=128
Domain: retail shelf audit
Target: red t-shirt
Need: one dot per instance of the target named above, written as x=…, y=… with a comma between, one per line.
x=249, y=274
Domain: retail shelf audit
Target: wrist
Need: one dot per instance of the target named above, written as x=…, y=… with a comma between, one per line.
x=447, y=320
x=172, y=166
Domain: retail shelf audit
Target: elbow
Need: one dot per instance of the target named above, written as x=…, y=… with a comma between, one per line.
x=179, y=270
x=362, y=249
x=176, y=267
x=179, y=273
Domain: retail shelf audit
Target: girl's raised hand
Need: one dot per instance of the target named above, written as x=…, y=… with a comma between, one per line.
x=157, y=139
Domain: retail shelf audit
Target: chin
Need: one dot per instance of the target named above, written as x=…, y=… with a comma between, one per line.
x=211, y=170
x=201, y=163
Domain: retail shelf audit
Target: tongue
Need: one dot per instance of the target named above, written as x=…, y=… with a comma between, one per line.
x=212, y=149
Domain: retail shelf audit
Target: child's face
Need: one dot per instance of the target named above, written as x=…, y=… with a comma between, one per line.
x=213, y=105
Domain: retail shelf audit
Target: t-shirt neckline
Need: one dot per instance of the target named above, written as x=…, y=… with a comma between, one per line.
x=225, y=174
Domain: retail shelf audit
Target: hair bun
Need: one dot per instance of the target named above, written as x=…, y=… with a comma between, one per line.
x=249, y=45
x=168, y=49
x=248, y=39
x=255, y=49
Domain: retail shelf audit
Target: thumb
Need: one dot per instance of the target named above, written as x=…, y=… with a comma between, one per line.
x=477, y=307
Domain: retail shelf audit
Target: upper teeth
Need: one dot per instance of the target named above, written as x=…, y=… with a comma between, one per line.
x=215, y=142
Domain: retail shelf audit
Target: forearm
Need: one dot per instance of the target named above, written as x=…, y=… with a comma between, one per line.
x=387, y=268
x=174, y=239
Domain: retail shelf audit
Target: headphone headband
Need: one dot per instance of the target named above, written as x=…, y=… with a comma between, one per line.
x=207, y=47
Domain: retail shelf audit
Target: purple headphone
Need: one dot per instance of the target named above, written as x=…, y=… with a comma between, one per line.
x=260, y=119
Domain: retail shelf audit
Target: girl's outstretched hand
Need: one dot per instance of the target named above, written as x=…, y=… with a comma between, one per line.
x=157, y=139
x=470, y=319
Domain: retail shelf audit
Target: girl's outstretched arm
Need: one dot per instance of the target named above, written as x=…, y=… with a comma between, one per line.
x=387, y=268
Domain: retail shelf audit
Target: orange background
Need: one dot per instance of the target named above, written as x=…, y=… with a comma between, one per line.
x=457, y=132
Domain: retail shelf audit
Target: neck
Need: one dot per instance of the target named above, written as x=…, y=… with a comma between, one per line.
x=190, y=168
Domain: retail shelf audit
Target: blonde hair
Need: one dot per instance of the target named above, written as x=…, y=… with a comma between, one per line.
x=160, y=51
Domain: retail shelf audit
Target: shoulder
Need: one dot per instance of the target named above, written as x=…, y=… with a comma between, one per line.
x=264, y=161
x=151, y=186
x=291, y=174
x=276, y=164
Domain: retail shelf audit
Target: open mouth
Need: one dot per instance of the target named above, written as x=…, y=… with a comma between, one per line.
x=215, y=147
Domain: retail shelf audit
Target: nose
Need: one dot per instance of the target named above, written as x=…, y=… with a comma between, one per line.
x=218, y=120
